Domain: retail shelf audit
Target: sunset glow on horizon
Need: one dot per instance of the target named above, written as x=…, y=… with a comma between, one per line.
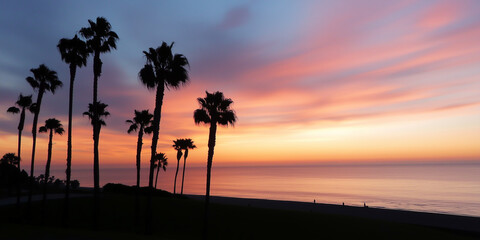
x=311, y=81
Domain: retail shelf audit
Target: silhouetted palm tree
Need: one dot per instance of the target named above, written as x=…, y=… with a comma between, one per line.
x=214, y=109
x=24, y=102
x=177, y=146
x=187, y=144
x=43, y=80
x=73, y=52
x=162, y=70
x=95, y=113
x=141, y=122
x=160, y=162
x=100, y=39
x=54, y=126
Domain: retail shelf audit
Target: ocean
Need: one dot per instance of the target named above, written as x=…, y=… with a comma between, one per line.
x=452, y=188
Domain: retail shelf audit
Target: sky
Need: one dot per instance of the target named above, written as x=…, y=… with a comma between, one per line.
x=311, y=81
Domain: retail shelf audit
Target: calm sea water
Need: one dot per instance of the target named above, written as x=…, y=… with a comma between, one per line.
x=441, y=188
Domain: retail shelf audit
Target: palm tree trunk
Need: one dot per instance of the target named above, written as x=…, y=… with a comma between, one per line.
x=139, y=152
x=183, y=173
x=211, y=146
x=47, y=173
x=69, y=147
x=157, y=114
x=20, y=129
x=156, y=178
x=97, y=66
x=96, y=178
x=19, y=189
x=97, y=70
x=176, y=173
x=137, y=190
x=34, y=137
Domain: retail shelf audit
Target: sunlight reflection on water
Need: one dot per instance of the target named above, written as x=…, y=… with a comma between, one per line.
x=442, y=188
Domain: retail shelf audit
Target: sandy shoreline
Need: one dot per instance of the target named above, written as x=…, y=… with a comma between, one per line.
x=452, y=222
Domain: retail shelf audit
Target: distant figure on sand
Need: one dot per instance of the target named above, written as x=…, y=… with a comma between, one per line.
x=313, y=200
x=365, y=205
x=343, y=203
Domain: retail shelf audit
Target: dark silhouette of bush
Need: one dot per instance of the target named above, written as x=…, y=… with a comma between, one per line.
x=75, y=184
x=131, y=190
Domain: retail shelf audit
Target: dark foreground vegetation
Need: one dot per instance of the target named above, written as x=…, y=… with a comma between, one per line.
x=181, y=218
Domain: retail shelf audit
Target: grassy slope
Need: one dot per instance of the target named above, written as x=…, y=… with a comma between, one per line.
x=182, y=219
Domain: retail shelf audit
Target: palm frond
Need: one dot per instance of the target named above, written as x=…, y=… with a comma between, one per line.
x=42, y=129
x=132, y=128
x=73, y=51
x=147, y=76
x=54, y=84
x=33, y=108
x=99, y=110
x=227, y=117
x=24, y=101
x=201, y=116
x=215, y=106
x=60, y=131
x=148, y=130
x=33, y=83
x=189, y=143
x=13, y=110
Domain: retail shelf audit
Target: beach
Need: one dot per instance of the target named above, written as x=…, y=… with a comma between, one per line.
x=437, y=220
x=238, y=218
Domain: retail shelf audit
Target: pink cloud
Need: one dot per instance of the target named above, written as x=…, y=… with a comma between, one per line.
x=440, y=15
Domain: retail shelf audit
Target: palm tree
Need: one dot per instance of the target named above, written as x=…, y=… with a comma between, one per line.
x=214, y=109
x=162, y=70
x=177, y=146
x=100, y=39
x=24, y=102
x=160, y=162
x=141, y=122
x=54, y=126
x=95, y=113
x=187, y=144
x=74, y=52
x=43, y=80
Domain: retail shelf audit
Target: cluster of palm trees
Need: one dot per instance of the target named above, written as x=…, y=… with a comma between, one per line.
x=179, y=145
x=162, y=70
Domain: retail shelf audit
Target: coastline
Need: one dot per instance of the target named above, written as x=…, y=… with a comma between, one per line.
x=247, y=217
x=437, y=220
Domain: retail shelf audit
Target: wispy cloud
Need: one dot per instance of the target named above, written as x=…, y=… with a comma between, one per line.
x=292, y=69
